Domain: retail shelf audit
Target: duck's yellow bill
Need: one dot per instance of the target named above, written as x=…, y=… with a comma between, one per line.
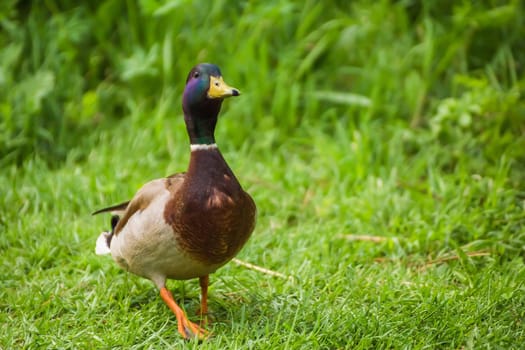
x=219, y=89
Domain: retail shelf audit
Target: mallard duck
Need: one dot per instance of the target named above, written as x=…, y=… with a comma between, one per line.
x=189, y=224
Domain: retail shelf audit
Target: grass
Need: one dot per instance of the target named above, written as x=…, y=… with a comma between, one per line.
x=384, y=145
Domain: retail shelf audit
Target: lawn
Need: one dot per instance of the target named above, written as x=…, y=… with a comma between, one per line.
x=383, y=143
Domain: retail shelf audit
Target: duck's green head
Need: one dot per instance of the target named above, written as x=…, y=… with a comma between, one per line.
x=201, y=102
x=205, y=82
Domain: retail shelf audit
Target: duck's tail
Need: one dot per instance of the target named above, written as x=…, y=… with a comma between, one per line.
x=104, y=240
x=102, y=246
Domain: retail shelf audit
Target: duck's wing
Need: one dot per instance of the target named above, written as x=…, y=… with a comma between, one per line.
x=142, y=199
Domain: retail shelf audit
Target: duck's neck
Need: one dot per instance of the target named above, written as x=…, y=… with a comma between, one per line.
x=201, y=120
x=207, y=166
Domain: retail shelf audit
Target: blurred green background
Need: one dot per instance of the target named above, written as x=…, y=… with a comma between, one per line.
x=449, y=71
x=383, y=142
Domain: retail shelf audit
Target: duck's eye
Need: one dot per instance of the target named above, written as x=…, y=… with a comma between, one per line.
x=217, y=84
x=196, y=75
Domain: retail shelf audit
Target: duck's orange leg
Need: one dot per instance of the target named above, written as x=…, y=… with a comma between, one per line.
x=203, y=281
x=186, y=328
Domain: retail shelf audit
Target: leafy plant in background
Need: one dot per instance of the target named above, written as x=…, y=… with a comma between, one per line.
x=68, y=67
x=51, y=69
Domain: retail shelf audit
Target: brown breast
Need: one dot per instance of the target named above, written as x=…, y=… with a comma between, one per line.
x=211, y=215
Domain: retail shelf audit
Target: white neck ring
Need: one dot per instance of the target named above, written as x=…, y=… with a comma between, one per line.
x=203, y=147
